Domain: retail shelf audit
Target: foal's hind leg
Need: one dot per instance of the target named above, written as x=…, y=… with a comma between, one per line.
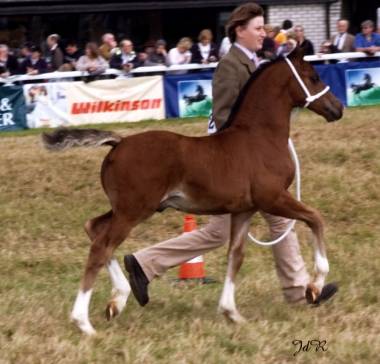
x=239, y=230
x=115, y=230
x=287, y=206
x=120, y=284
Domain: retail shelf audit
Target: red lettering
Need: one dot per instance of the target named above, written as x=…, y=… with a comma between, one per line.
x=80, y=107
x=112, y=106
x=145, y=104
x=100, y=105
x=135, y=104
x=156, y=103
x=108, y=106
x=125, y=106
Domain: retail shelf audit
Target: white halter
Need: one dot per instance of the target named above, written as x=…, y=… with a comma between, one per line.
x=309, y=98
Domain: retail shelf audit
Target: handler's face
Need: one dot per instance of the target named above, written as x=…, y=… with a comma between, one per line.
x=252, y=35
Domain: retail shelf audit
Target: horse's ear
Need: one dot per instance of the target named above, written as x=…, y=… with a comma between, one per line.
x=297, y=53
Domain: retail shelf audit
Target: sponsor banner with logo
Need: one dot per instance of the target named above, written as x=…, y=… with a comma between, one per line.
x=118, y=100
x=106, y=101
x=188, y=95
x=47, y=104
x=340, y=80
x=363, y=86
x=12, y=108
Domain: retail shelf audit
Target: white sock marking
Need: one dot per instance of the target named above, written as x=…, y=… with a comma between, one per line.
x=227, y=300
x=121, y=288
x=79, y=313
x=321, y=263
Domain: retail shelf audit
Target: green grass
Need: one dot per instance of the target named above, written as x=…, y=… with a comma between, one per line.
x=45, y=198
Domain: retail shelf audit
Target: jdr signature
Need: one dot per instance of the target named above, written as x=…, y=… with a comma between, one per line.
x=310, y=345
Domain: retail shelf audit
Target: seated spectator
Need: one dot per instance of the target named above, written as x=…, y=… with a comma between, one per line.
x=8, y=63
x=291, y=43
x=281, y=36
x=327, y=47
x=24, y=52
x=54, y=56
x=268, y=51
x=181, y=53
x=204, y=51
x=34, y=64
x=367, y=41
x=108, y=47
x=92, y=62
x=304, y=43
x=342, y=41
x=72, y=54
x=159, y=57
x=225, y=46
x=125, y=58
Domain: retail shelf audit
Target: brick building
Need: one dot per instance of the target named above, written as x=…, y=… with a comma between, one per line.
x=84, y=20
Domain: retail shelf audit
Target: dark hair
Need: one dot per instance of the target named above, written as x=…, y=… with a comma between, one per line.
x=94, y=50
x=287, y=24
x=241, y=16
x=35, y=49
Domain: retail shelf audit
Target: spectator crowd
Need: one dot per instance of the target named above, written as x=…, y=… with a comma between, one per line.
x=29, y=59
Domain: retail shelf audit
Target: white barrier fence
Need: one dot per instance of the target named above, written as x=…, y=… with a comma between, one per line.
x=342, y=57
x=59, y=75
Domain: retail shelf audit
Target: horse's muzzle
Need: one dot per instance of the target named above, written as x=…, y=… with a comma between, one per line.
x=334, y=112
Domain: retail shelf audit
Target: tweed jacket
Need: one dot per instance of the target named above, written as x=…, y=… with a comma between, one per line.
x=231, y=74
x=348, y=45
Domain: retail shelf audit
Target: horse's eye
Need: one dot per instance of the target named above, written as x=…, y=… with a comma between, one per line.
x=315, y=78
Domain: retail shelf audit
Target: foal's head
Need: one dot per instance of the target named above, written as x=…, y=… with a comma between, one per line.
x=324, y=103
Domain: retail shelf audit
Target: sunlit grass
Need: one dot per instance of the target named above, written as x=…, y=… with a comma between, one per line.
x=46, y=197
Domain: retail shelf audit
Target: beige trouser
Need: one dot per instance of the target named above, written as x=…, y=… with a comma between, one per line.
x=291, y=270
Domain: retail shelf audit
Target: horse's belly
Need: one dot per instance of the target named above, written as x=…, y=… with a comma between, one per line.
x=208, y=203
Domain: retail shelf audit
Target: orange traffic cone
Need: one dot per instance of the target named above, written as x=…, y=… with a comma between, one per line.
x=194, y=268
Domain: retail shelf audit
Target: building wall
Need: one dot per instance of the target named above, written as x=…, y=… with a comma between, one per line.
x=311, y=16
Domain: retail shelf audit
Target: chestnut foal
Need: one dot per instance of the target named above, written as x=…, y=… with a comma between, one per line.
x=243, y=168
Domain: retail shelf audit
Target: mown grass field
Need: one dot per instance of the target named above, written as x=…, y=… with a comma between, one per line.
x=45, y=198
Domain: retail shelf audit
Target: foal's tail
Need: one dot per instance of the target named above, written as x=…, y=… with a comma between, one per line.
x=63, y=138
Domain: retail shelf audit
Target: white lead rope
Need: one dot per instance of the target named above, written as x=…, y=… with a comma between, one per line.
x=298, y=196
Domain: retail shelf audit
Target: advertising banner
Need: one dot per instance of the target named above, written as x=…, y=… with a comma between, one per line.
x=188, y=95
x=335, y=76
x=119, y=100
x=363, y=86
x=47, y=104
x=105, y=101
x=12, y=108
x=194, y=98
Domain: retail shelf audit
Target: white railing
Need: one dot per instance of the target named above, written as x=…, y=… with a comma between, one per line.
x=339, y=56
x=108, y=72
x=176, y=68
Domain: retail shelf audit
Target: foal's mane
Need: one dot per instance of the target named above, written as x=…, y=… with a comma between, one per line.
x=262, y=68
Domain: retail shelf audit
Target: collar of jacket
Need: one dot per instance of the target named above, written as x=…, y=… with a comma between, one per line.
x=242, y=57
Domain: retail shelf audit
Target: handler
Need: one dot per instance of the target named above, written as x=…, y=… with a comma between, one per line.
x=245, y=28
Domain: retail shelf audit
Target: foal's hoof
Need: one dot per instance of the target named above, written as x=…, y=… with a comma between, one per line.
x=111, y=310
x=312, y=293
x=233, y=316
x=84, y=325
x=314, y=297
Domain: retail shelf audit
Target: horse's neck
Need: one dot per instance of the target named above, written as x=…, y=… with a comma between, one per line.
x=265, y=110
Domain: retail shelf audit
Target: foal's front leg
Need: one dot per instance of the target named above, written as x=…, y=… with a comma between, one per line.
x=287, y=206
x=239, y=230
